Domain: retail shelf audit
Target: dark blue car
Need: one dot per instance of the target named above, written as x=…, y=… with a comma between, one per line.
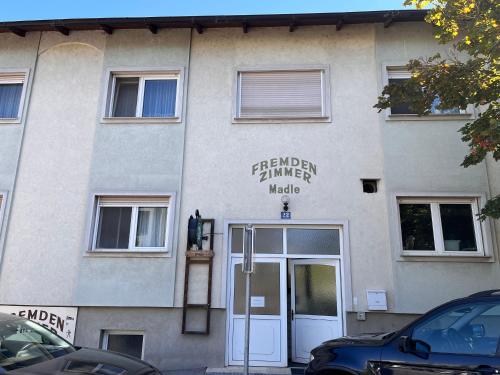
x=459, y=337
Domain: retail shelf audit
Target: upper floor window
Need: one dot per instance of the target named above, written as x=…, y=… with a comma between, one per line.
x=11, y=94
x=282, y=95
x=127, y=223
x=444, y=226
x=398, y=75
x=146, y=95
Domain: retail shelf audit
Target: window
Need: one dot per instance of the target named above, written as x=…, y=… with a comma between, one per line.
x=11, y=94
x=153, y=95
x=125, y=342
x=446, y=226
x=131, y=223
x=290, y=240
x=282, y=94
x=398, y=75
x=472, y=328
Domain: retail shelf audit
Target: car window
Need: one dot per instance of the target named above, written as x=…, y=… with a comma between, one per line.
x=24, y=343
x=472, y=328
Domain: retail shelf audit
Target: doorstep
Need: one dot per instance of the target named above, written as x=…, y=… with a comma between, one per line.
x=236, y=370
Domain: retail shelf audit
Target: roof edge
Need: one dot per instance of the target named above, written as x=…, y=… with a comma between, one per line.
x=202, y=22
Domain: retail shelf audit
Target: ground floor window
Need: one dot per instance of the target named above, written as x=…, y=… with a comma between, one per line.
x=126, y=342
x=440, y=226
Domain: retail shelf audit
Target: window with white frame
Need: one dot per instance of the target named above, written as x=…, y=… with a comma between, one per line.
x=397, y=75
x=11, y=94
x=132, y=223
x=444, y=226
x=282, y=94
x=125, y=342
x=144, y=95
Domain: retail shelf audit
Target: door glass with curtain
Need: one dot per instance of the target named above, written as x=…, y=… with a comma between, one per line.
x=159, y=98
x=10, y=98
x=151, y=227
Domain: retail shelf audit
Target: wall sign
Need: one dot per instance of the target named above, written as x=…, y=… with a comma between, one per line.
x=301, y=170
x=59, y=320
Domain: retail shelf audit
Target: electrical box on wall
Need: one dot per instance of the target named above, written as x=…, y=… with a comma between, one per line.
x=377, y=300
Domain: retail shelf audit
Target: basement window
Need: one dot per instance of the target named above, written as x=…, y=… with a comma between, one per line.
x=125, y=342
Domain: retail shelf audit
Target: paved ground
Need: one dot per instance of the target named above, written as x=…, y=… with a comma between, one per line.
x=195, y=371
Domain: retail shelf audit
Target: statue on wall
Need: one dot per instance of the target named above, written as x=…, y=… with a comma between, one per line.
x=195, y=232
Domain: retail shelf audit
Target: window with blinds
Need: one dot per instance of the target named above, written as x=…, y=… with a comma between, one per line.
x=11, y=90
x=281, y=94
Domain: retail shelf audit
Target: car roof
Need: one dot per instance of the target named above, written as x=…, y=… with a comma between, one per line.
x=8, y=317
x=486, y=293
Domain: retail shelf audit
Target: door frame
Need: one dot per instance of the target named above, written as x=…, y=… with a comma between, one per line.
x=283, y=310
x=340, y=315
x=343, y=259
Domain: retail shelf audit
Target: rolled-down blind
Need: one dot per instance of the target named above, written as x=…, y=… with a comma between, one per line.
x=281, y=94
x=12, y=77
x=131, y=199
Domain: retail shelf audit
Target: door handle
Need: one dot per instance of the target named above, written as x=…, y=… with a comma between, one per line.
x=487, y=370
x=293, y=315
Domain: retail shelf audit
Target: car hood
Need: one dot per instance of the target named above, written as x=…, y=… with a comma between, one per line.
x=365, y=339
x=86, y=361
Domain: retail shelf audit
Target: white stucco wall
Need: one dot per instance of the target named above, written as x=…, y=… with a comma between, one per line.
x=220, y=154
x=45, y=228
x=17, y=55
x=141, y=157
x=424, y=156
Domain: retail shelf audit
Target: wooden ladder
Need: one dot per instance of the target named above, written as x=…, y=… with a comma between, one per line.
x=199, y=257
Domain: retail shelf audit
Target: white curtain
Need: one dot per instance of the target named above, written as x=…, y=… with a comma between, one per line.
x=159, y=98
x=10, y=96
x=151, y=227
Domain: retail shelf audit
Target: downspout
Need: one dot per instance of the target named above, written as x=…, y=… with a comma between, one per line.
x=180, y=195
x=10, y=197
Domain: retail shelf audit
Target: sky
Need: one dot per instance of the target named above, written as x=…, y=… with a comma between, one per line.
x=19, y=10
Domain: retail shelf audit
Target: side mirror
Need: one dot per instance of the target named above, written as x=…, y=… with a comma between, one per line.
x=418, y=347
x=421, y=349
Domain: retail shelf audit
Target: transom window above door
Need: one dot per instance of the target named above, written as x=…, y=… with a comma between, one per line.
x=144, y=95
x=440, y=226
x=125, y=223
x=282, y=95
x=290, y=240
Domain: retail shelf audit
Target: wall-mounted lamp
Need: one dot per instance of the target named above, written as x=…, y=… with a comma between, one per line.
x=285, y=199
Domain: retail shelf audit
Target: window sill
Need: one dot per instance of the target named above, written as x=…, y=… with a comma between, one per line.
x=453, y=257
x=141, y=120
x=435, y=117
x=127, y=254
x=280, y=120
x=8, y=121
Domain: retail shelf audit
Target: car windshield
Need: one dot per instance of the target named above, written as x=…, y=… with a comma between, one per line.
x=24, y=343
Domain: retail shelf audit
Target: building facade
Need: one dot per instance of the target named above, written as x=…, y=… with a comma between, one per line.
x=113, y=135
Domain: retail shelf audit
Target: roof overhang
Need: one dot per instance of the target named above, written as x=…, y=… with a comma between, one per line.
x=200, y=23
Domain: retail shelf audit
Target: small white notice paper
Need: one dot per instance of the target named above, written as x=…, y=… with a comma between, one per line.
x=258, y=301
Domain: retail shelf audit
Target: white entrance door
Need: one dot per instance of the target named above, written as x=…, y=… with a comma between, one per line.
x=268, y=334
x=316, y=305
